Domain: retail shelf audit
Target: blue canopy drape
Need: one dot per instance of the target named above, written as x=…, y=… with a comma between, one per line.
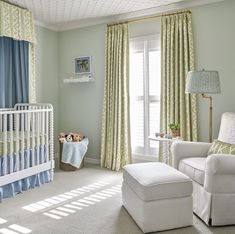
x=14, y=72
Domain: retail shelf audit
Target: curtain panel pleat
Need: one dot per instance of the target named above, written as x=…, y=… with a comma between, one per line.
x=115, y=139
x=177, y=59
x=32, y=74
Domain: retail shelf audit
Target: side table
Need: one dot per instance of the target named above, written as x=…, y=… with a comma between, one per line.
x=166, y=145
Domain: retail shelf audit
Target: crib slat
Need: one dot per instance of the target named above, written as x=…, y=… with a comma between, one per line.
x=1, y=123
x=40, y=120
x=51, y=132
x=4, y=144
x=28, y=138
x=47, y=137
x=17, y=140
x=38, y=135
x=11, y=155
x=33, y=139
x=43, y=135
x=22, y=141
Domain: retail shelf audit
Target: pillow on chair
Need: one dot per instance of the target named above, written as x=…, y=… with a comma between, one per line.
x=220, y=147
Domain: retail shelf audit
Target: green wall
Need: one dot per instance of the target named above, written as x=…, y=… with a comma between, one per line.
x=145, y=28
x=78, y=107
x=47, y=86
x=214, y=36
x=80, y=104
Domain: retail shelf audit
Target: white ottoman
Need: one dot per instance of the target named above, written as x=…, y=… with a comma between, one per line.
x=157, y=196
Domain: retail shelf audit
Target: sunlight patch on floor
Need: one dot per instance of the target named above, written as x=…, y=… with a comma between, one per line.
x=13, y=228
x=82, y=203
x=79, y=204
x=52, y=215
x=2, y=221
x=57, y=212
x=20, y=229
x=73, y=207
x=7, y=231
x=68, y=208
x=55, y=200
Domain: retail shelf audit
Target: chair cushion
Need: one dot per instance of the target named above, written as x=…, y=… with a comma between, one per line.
x=220, y=147
x=194, y=168
x=153, y=181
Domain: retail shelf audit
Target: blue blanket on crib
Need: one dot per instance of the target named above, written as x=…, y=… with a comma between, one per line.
x=74, y=152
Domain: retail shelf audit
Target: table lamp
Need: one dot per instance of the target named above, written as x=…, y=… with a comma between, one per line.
x=204, y=82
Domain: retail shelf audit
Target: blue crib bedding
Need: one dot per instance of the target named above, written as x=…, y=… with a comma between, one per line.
x=10, y=190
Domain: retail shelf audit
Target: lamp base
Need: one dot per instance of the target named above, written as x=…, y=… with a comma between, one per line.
x=210, y=115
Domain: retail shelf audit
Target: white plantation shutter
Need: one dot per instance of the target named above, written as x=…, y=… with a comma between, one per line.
x=144, y=93
x=154, y=93
x=137, y=101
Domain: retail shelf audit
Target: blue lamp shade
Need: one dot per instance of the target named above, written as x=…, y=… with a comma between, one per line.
x=203, y=82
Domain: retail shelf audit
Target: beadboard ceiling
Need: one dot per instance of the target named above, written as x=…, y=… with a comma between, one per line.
x=66, y=14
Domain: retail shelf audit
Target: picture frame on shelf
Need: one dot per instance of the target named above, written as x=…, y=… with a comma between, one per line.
x=82, y=65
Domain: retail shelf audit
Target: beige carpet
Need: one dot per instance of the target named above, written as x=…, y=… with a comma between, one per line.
x=87, y=201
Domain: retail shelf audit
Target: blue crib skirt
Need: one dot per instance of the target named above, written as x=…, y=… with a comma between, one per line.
x=10, y=190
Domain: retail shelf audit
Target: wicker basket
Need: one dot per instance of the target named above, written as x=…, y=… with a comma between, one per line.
x=66, y=166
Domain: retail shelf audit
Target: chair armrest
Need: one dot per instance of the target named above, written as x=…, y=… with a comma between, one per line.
x=223, y=164
x=188, y=149
x=220, y=173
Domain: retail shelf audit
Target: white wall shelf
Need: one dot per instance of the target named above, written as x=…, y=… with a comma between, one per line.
x=79, y=80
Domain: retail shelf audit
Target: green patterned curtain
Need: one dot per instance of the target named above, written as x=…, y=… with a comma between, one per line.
x=115, y=141
x=18, y=23
x=177, y=59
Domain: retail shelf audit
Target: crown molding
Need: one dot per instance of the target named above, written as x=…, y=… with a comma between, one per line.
x=44, y=25
x=186, y=4
x=85, y=23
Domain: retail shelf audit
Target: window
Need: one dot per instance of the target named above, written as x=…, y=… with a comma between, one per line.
x=144, y=94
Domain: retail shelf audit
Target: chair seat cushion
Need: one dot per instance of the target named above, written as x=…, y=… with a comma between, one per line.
x=153, y=181
x=194, y=168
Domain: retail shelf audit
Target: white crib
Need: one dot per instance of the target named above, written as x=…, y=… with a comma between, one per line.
x=26, y=142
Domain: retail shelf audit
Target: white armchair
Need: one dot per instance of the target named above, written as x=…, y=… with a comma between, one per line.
x=213, y=176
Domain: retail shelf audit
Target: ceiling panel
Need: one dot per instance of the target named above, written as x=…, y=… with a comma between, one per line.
x=60, y=11
x=63, y=12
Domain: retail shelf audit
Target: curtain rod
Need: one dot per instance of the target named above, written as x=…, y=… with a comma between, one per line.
x=150, y=17
x=13, y=4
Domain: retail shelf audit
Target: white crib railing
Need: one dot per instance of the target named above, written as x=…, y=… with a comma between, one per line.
x=26, y=140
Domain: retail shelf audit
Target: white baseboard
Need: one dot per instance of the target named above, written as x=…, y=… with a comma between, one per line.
x=87, y=159
x=135, y=159
x=140, y=159
x=92, y=160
